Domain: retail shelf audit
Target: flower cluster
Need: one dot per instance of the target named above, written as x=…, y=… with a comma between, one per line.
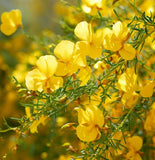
x=96, y=83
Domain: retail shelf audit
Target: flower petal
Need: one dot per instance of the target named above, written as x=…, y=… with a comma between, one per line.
x=127, y=52
x=83, y=31
x=64, y=50
x=87, y=134
x=47, y=65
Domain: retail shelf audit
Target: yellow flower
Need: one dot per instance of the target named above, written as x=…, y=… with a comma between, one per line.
x=121, y=31
x=41, y=78
x=84, y=75
x=67, y=64
x=90, y=43
x=93, y=6
x=114, y=40
x=10, y=21
x=110, y=41
x=129, y=99
x=134, y=144
x=147, y=90
x=127, y=52
x=47, y=65
x=127, y=82
x=90, y=120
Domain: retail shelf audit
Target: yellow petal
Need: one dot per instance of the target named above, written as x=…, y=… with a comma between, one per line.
x=87, y=134
x=35, y=80
x=10, y=21
x=83, y=31
x=47, y=65
x=86, y=8
x=64, y=50
x=135, y=143
x=84, y=75
x=72, y=67
x=95, y=51
x=129, y=99
x=133, y=155
x=121, y=31
x=62, y=69
x=83, y=117
x=98, y=37
x=5, y=17
x=82, y=48
x=96, y=115
x=147, y=90
x=127, y=52
x=16, y=16
x=67, y=69
x=79, y=60
x=127, y=82
x=54, y=83
x=111, y=42
x=8, y=28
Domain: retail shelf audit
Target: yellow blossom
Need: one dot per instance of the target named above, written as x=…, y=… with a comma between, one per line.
x=41, y=78
x=67, y=65
x=114, y=40
x=90, y=120
x=121, y=31
x=127, y=82
x=93, y=6
x=84, y=75
x=134, y=144
x=147, y=90
x=89, y=44
x=129, y=99
x=47, y=65
x=10, y=21
x=110, y=41
x=127, y=52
